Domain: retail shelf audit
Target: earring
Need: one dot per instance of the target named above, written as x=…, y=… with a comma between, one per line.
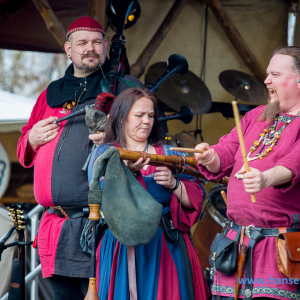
x=299, y=80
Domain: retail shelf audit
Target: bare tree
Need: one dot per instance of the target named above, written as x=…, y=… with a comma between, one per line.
x=29, y=73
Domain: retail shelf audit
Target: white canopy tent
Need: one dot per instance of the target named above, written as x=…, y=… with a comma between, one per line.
x=15, y=111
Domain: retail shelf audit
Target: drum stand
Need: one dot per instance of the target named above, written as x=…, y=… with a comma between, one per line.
x=17, y=285
x=198, y=131
x=33, y=217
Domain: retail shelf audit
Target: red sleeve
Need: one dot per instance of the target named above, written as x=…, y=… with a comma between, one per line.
x=188, y=217
x=24, y=153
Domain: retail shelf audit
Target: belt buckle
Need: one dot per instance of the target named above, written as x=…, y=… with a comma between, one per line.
x=64, y=214
x=247, y=231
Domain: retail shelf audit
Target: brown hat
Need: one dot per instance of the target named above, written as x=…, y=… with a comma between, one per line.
x=85, y=24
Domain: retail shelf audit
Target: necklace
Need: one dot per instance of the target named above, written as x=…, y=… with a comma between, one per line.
x=145, y=149
x=268, y=138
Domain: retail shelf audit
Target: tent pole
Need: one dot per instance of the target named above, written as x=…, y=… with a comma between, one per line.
x=138, y=68
x=52, y=23
x=236, y=39
x=97, y=11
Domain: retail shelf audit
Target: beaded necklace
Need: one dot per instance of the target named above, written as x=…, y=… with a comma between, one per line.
x=269, y=137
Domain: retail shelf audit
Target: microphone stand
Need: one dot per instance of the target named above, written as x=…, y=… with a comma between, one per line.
x=17, y=284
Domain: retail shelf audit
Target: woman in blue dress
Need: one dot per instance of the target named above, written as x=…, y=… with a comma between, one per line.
x=164, y=269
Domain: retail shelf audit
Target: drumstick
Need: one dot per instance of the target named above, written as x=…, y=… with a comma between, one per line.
x=187, y=150
x=224, y=197
x=241, y=139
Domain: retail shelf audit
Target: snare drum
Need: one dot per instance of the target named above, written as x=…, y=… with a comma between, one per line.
x=186, y=140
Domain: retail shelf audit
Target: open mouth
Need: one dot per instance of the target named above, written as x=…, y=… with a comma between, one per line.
x=271, y=91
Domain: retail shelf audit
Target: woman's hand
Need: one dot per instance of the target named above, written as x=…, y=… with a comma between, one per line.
x=164, y=177
x=136, y=166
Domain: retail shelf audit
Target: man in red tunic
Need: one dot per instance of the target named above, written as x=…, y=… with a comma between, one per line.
x=58, y=153
x=272, y=138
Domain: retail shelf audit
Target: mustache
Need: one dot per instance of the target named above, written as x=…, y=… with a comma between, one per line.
x=90, y=54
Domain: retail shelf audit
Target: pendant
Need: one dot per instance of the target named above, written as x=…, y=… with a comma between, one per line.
x=239, y=176
x=64, y=110
x=253, y=158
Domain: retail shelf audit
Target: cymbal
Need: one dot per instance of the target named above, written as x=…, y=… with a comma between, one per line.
x=179, y=90
x=243, y=86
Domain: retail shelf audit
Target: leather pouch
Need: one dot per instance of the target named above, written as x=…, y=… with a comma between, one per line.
x=288, y=254
x=169, y=231
x=86, y=235
x=224, y=254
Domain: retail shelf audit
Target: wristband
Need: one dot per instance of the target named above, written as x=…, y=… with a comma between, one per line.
x=176, y=185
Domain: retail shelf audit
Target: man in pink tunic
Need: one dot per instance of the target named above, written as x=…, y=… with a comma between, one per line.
x=272, y=138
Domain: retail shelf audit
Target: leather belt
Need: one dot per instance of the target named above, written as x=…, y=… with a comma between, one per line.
x=266, y=232
x=71, y=212
x=255, y=234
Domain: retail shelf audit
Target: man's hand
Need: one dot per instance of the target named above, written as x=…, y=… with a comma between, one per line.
x=208, y=158
x=43, y=132
x=255, y=180
x=97, y=138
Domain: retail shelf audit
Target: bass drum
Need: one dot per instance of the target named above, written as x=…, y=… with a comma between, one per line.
x=212, y=222
x=4, y=170
x=186, y=140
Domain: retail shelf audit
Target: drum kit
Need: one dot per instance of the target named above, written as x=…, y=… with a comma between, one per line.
x=189, y=90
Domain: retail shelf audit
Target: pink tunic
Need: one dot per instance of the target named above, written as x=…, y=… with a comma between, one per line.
x=275, y=206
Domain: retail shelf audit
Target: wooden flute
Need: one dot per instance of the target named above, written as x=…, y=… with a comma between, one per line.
x=185, y=165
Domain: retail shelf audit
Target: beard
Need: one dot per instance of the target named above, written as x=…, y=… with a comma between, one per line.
x=271, y=110
x=95, y=65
